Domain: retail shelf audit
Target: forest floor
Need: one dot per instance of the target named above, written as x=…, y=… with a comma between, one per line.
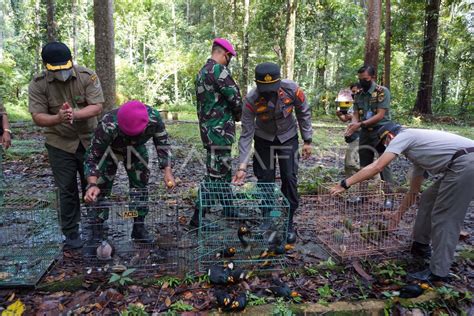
x=71, y=288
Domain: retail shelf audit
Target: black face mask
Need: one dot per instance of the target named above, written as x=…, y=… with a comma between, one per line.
x=269, y=95
x=365, y=84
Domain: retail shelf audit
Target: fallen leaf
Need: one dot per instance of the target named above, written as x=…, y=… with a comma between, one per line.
x=168, y=301
x=463, y=235
x=357, y=266
x=4, y=275
x=11, y=298
x=188, y=295
x=165, y=285
x=15, y=309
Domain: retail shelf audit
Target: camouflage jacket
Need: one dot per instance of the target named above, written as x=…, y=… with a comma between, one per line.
x=219, y=104
x=108, y=135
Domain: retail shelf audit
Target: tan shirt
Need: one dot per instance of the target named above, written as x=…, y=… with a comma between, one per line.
x=47, y=95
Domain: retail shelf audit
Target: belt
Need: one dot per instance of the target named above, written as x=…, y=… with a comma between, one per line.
x=462, y=152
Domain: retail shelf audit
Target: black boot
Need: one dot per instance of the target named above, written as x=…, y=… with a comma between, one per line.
x=291, y=235
x=95, y=236
x=73, y=241
x=139, y=232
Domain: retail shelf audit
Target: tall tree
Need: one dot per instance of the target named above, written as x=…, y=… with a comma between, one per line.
x=175, y=45
x=289, y=68
x=245, y=49
x=51, y=28
x=74, y=27
x=105, y=49
x=425, y=88
x=372, y=35
x=388, y=48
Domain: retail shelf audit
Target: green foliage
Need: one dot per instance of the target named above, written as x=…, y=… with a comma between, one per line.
x=181, y=306
x=282, y=308
x=123, y=278
x=169, y=280
x=448, y=293
x=389, y=270
x=255, y=300
x=310, y=270
x=134, y=310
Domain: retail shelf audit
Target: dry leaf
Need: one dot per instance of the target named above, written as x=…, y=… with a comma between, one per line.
x=11, y=298
x=188, y=295
x=165, y=285
x=168, y=301
x=4, y=275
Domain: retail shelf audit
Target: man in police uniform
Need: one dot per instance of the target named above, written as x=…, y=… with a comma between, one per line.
x=371, y=111
x=443, y=205
x=66, y=99
x=219, y=106
x=5, y=133
x=268, y=119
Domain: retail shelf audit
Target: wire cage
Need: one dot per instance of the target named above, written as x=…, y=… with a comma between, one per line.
x=30, y=238
x=357, y=223
x=256, y=237
x=112, y=219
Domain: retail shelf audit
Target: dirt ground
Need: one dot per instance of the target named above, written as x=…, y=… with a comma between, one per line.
x=70, y=289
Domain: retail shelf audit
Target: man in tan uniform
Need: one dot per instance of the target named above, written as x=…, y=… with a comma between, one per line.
x=66, y=99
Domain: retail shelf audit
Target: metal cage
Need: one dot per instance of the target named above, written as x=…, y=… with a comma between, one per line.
x=356, y=224
x=30, y=238
x=263, y=211
x=115, y=212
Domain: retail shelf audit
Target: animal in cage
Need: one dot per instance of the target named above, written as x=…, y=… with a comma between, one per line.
x=30, y=238
x=111, y=228
x=256, y=236
x=350, y=230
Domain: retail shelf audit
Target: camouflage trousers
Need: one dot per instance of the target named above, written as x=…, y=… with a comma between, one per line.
x=219, y=169
x=136, y=166
x=2, y=177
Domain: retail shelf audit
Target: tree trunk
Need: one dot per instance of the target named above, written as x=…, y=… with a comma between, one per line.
x=187, y=11
x=38, y=36
x=51, y=29
x=289, y=68
x=388, y=48
x=245, y=50
x=74, y=27
x=372, y=36
x=2, y=29
x=214, y=31
x=105, y=50
x=175, y=44
x=425, y=88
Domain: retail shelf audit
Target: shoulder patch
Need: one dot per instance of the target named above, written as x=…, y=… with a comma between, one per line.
x=300, y=94
x=85, y=70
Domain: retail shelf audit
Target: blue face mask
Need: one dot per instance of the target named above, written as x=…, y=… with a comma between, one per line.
x=63, y=75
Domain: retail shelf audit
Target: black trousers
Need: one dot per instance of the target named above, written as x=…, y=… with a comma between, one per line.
x=264, y=166
x=369, y=145
x=66, y=167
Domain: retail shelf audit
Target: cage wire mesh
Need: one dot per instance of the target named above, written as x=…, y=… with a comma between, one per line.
x=30, y=237
x=113, y=216
x=255, y=235
x=355, y=224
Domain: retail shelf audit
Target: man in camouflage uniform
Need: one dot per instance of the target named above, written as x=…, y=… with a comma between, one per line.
x=371, y=111
x=66, y=99
x=121, y=135
x=219, y=106
x=6, y=142
x=271, y=116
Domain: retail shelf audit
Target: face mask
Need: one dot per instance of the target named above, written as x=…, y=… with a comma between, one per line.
x=365, y=84
x=267, y=95
x=63, y=75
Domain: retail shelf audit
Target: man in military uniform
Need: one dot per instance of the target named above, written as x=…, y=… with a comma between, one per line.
x=121, y=136
x=268, y=120
x=443, y=205
x=6, y=142
x=66, y=99
x=344, y=112
x=219, y=106
x=371, y=111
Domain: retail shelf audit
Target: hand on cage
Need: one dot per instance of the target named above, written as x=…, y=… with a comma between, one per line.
x=92, y=194
x=239, y=177
x=337, y=189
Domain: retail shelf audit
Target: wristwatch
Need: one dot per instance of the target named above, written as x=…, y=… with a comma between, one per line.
x=344, y=184
x=91, y=185
x=308, y=141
